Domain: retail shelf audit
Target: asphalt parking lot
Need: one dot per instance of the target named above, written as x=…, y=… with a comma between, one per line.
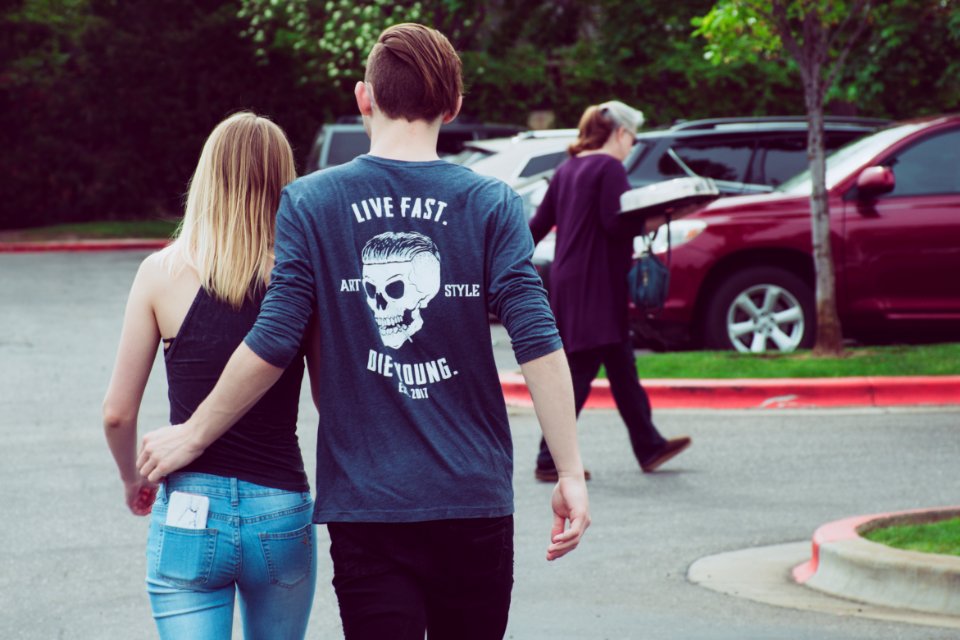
x=72, y=557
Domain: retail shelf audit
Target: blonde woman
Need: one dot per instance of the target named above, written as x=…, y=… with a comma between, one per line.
x=238, y=518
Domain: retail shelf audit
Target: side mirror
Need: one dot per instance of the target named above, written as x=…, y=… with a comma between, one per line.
x=875, y=181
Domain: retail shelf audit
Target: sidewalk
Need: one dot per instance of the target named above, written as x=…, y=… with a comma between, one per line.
x=845, y=574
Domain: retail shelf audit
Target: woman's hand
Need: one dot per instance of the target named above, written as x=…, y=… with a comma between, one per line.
x=140, y=495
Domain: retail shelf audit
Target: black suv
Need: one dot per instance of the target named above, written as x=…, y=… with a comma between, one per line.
x=743, y=155
x=346, y=139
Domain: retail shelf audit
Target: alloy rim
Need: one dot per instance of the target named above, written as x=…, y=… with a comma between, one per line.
x=765, y=318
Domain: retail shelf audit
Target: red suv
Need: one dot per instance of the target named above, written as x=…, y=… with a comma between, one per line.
x=741, y=270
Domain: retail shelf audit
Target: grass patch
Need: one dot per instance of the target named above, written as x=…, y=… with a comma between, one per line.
x=102, y=230
x=899, y=360
x=936, y=537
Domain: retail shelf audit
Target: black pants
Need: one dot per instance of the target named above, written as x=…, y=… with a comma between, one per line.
x=631, y=399
x=450, y=578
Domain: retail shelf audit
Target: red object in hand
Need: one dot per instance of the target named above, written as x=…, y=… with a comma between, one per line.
x=145, y=500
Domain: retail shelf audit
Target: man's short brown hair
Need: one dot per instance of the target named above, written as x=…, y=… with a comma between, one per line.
x=415, y=72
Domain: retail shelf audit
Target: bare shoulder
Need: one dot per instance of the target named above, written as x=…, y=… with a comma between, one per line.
x=154, y=263
x=156, y=271
x=166, y=273
x=168, y=285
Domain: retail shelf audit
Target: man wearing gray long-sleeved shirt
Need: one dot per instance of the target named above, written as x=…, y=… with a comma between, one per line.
x=399, y=256
x=403, y=260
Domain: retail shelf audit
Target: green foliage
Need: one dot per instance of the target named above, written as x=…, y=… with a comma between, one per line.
x=537, y=54
x=331, y=38
x=107, y=102
x=351, y=30
x=39, y=40
x=110, y=102
x=904, y=64
x=505, y=90
x=735, y=33
x=909, y=61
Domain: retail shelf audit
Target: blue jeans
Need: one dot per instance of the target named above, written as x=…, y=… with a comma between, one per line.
x=258, y=542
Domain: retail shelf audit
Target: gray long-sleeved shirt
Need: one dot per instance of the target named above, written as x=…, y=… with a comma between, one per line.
x=400, y=263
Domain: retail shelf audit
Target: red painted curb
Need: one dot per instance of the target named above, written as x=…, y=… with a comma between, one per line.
x=81, y=245
x=771, y=393
x=846, y=529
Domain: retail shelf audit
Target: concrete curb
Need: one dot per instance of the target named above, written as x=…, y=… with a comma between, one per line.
x=771, y=393
x=81, y=245
x=847, y=565
x=762, y=574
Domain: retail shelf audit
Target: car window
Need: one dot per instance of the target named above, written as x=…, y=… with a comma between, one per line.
x=833, y=140
x=717, y=159
x=779, y=159
x=541, y=163
x=640, y=168
x=668, y=167
x=928, y=167
x=850, y=158
x=346, y=145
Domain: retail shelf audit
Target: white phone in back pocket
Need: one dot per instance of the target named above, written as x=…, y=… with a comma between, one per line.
x=187, y=510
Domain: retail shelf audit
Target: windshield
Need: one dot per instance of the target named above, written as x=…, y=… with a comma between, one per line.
x=848, y=159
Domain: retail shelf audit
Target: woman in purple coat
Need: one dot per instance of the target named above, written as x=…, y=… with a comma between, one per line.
x=588, y=291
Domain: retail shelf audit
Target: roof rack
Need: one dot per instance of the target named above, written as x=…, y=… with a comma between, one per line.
x=714, y=123
x=546, y=133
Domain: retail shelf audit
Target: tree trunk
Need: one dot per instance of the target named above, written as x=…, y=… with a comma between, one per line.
x=829, y=340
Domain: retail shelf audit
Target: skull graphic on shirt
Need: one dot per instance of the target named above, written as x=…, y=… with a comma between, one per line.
x=401, y=275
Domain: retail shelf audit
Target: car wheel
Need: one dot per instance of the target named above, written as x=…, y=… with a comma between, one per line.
x=760, y=310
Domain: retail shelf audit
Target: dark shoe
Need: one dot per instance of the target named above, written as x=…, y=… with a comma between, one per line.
x=551, y=475
x=669, y=449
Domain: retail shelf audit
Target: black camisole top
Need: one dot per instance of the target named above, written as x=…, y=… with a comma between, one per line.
x=262, y=447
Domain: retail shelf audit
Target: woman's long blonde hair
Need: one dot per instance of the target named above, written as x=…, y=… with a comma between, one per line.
x=227, y=231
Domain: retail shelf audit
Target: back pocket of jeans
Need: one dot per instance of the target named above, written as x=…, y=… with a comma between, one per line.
x=289, y=555
x=186, y=555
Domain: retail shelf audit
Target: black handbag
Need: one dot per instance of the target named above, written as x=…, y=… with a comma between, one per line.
x=649, y=280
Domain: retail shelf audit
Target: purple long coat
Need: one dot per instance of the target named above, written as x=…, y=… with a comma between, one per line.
x=588, y=279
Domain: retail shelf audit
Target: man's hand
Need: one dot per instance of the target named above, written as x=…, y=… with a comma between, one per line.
x=140, y=495
x=166, y=450
x=570, y=504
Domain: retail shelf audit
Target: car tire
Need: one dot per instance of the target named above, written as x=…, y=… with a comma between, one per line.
x=760, y=310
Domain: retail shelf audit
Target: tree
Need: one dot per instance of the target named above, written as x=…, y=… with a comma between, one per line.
x=331, y=39
x=819, y=35
x=531, y=55
x=907, y=63
x=42, y=53
x=107, y=103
